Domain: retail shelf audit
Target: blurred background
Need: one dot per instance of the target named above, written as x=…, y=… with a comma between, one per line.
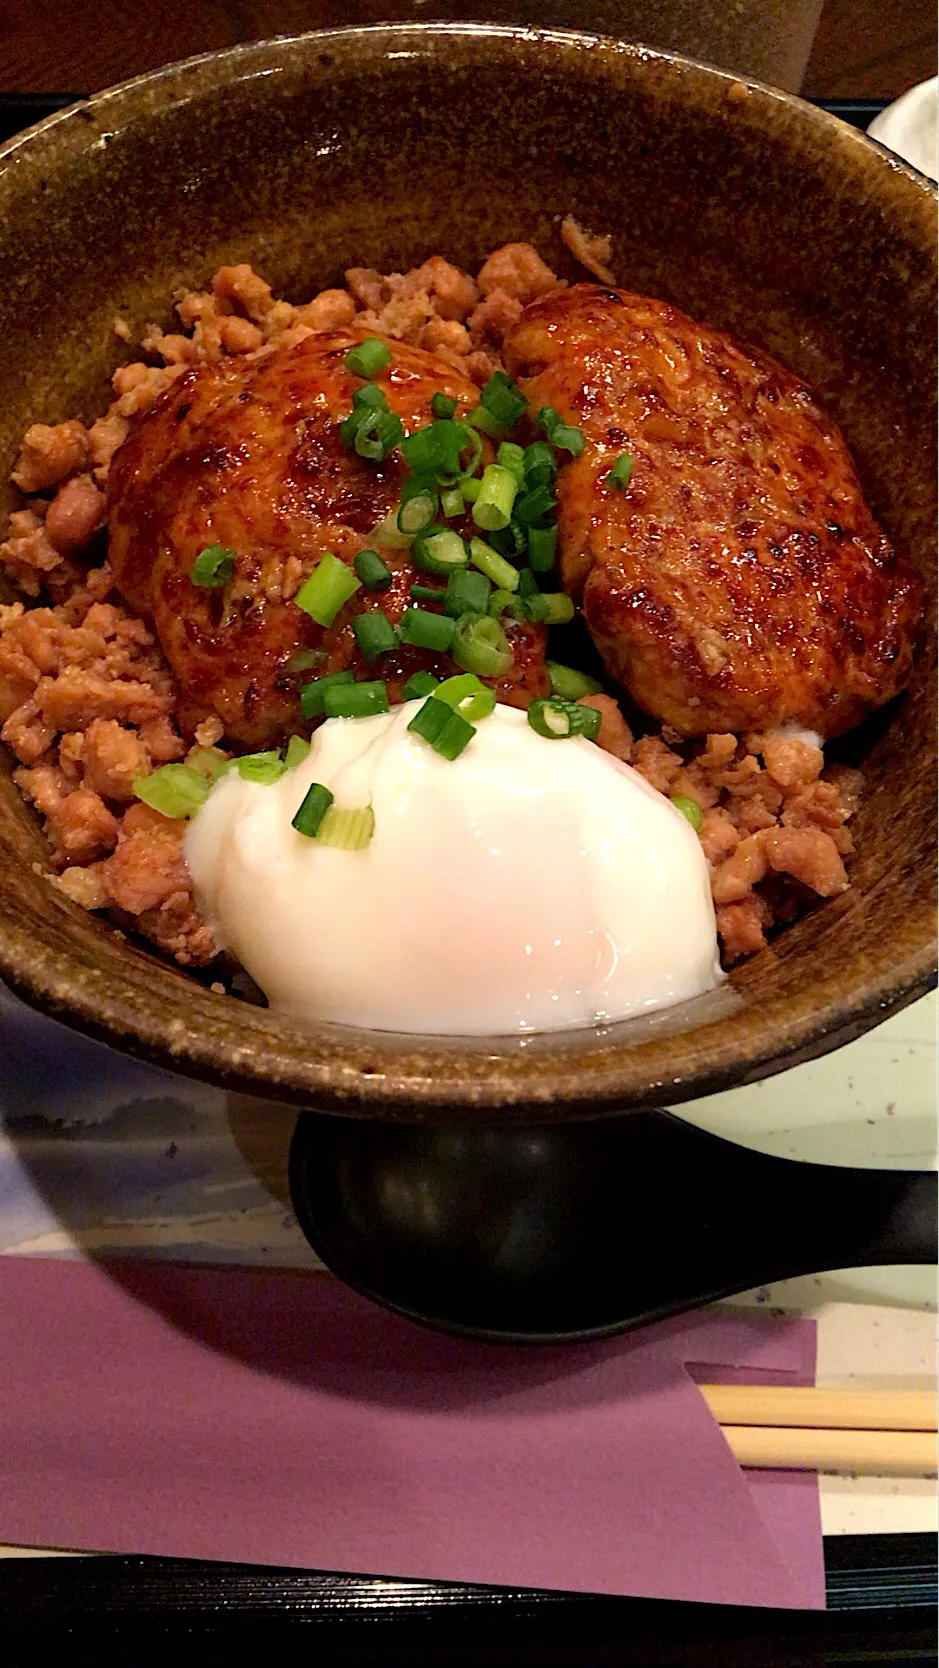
x=826, y=48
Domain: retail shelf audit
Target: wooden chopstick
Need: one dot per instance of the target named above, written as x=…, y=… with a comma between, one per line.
x=888, y=1433
x=878, y=1453
x=857, y=1410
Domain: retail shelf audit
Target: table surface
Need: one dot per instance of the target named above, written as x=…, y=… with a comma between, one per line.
x=863, y=48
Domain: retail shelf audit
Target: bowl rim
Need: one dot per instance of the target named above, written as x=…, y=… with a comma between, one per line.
x=422, y=1076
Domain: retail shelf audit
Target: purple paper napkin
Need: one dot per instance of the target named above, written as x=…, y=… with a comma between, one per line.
x=275, y=1417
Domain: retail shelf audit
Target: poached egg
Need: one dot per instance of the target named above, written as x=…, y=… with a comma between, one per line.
x=529, y=885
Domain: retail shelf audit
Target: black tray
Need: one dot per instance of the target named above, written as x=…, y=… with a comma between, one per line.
x=881, y=1590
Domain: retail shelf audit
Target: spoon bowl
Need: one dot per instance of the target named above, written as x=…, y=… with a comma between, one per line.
x=549, y=1233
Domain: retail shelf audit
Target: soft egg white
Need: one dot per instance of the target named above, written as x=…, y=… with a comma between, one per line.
x=529, y=885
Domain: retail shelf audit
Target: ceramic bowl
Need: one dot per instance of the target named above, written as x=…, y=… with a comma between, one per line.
x=745, y=206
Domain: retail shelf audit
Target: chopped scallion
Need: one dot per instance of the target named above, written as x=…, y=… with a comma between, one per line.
x=471, y=489
x=329, y=586
x=512, y=458
x=493, y=507
x=534, y=505
x=370, y=356
x=427, y=631
x=387, y=533
x=373, y=572
x=264, y=768
x=313, y=695
x=426, y=593
x=418, y=684
x=503, y=602
x=481, y=646
x=466, y=593
x=568, y=439
x=297, y=750
x=619, y=476
x=316, y=802
x=214, y=565
x=570, y=684
x=451, y=502
x=346, y=828
x=443, y=405
x=510, y=541
x=439, y=551
x=435, y=451
x=542, y=548
x=304, y=660
x=494, y=566
x=378, y=435
x=556, y=719
x=690, y=809
x=418, y=505
x=472, y=699
x=356, y=700
x=484, y=421
x=374, y=634
x=446, y=731
x=503, y=399
x=540, y=456
x=371, y=395
x=560, y=608
x=175, y=790
x=208, y=761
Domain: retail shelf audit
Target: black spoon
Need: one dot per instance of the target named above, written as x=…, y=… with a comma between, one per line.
x=575, y=1230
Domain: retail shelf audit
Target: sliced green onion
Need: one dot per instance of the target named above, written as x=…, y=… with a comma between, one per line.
x=436, y=449
x=372, y=571
x=304, y=660
x=418, y=505
x=540, y=456
x=542, y=548
x=471, y=489
x=512, y=457
x=618, y=478
x=214, y=565
x=494, y=566
x=371, y=395
x=527, y=583
x=427, y=631
x=510, y=541
x=374, y=634
x=447, y=731
x=265, y=768
x=370, y=356
x=349, y=427
x=209, y=762
x=570, y=684
x=418, y=684
x=536, y=607
x=466, y=593
x=297, y=751
x=345, y=828
x=313, y=695
x=356, y=700
x=503, y=602
x=470, y=698
x=503, y=399
x=443, y=405
x=426, y=593
x=467, y=438
x=548, y=419
x=535, y=505
x=439, y=551
x=481, y=646
x=556, y=719
x=689, y=809
x=387, y=533
x=329, y=586
x=378, y=435
x=568, y=439
x=315, y=804
x=451, y=502
x=560, y=608
x=493, y=507
x=175, y=790
x=484, y=421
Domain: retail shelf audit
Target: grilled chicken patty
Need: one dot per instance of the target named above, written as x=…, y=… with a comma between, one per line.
x=740, y=582
x=246, y=453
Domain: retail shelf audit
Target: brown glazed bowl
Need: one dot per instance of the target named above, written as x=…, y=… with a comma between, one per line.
x=378, y=146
